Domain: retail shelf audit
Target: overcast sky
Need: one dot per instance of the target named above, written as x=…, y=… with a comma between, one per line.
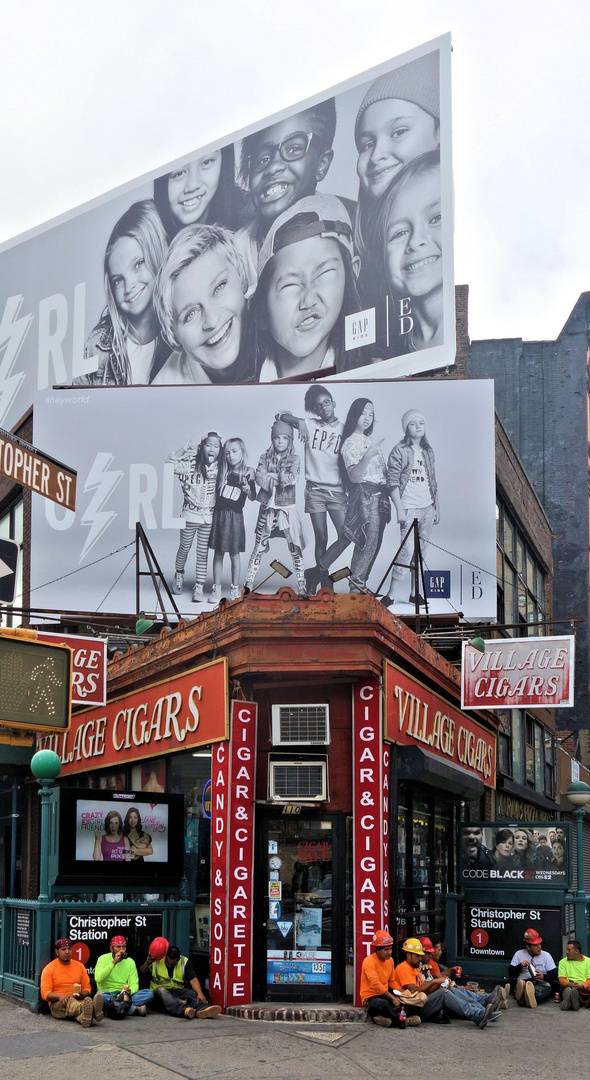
x=93, y=95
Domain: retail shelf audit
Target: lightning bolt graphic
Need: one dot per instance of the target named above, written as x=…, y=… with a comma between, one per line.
x=13, y=332
x=105, y=483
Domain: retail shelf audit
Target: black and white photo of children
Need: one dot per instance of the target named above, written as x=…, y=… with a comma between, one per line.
x=196, y=466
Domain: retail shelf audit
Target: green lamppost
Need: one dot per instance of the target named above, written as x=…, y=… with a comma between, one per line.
x=45, y=766
x=578, y=794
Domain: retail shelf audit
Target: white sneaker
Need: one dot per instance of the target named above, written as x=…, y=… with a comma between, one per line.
x=215, y=595
x=234, y=592
x=178, y=583
x=197, y=593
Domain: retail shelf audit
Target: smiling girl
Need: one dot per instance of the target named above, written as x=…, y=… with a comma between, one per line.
x=201, y=302
x=127, y=342
x=407, y=247
x=200, y=191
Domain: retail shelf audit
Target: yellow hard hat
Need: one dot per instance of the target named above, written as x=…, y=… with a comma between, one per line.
x=413, y=945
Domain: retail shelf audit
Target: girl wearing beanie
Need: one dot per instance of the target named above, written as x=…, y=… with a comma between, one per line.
x=411, y=480
x=398, y=120
x=276, y=476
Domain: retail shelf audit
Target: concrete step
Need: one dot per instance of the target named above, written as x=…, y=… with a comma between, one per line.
x=301, y=1012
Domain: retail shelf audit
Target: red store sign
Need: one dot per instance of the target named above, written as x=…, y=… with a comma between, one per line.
x=176, y=714
x=219, y=837
x=514, y=673
x=89, y=666
x=417, y=716
x=369, y=800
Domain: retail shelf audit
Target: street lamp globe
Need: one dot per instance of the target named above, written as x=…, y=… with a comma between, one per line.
x=578, y=793
x=45, y=765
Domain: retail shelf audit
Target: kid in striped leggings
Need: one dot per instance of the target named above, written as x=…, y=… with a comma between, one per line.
x=196, y=468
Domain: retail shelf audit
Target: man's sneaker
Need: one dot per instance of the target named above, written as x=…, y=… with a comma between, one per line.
x=519, y=990
x=197, y=593
x=190, y=1013
x=97, y=1007
x=234, y=592
x=495, y=1016
x=382, y=1021
x=487, y=1016
x=140, y=1010
x=566, y=1001
x=496, y=997
x=575, y=999
x=529, y=995
x=178, y=583
x=413, y=1021
x=215, y=595
x=505, y=996
x=85, y=1017
x=208, y=1012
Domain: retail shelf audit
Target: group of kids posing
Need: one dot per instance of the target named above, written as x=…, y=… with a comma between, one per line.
x=347, y=480
x=228, y=277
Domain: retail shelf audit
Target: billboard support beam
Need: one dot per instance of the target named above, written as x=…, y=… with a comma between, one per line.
x=153, y=571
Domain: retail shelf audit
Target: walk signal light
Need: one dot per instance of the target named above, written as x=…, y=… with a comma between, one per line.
x=35, y=682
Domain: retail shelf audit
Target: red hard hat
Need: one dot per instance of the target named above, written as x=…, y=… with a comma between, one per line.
x=159, y=947
x=532, y=937
x=426, y=944
x=382, y=939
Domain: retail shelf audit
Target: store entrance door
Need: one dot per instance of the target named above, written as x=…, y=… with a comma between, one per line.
x=298, y=931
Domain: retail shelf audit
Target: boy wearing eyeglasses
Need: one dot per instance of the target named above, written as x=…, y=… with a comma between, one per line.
x=282, y=164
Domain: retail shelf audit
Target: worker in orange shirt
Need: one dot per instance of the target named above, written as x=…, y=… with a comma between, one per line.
x=377, y=980
x=441, y=998
x=65, y=987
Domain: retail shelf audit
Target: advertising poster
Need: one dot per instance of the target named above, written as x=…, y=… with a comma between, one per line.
x=302, y=967
x=496, y=931
x=91, y=933
x=516, y=673
x=317, y=240
x=211, y=471
x=121, y=834
x=508, y=854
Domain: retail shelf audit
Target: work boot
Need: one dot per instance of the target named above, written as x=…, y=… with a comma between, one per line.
x=85, y=1017
x=140, y=1010
x=575, y=999
x=208, y=1012
x=519, y=991
x=487, y=1016
x=382, y=1021
x=529, y=995
x=190, y=1013
x=97, y=1009
x=566, y=1001
x=505, y=996
x=496, y=997
x=413, y=1021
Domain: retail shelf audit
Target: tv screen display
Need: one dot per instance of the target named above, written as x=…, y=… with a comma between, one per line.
x=119, y=839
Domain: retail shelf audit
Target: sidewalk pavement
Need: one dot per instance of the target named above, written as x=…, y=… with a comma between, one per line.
x=545, y=1043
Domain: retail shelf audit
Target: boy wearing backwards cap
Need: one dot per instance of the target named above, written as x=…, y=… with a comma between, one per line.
x=117, y=979
x=377, y=983
x=65, y=987
x=531, y=971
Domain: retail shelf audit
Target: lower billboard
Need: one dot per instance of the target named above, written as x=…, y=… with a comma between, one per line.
x=226, y=479
x=535, y=853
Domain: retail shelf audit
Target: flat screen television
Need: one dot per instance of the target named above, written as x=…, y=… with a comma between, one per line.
x=119, y=840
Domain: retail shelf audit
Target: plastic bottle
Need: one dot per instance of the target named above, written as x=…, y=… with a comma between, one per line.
x=402, y=1017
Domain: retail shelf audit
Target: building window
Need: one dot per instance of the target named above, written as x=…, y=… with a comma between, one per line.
x=528, y=753
x=11, y=528
x=521, y=578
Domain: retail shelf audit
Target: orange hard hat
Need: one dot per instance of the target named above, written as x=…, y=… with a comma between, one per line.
x=426, y=944
x=381, y=939
x=532, y=937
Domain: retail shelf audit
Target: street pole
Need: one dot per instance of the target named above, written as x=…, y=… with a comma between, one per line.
x=578, y=794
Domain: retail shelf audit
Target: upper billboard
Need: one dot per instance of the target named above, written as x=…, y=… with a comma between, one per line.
x=317, y=475
x=317, y=241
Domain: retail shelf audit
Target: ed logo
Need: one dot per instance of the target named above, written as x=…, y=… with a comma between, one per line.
x=359, y=329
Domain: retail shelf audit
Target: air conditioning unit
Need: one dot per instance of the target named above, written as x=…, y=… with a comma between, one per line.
x=300, y=725
x=298, y=781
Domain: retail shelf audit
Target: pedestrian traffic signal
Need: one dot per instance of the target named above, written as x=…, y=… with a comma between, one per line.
x=35, y=682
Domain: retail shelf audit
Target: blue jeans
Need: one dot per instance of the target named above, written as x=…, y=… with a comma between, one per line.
x=464, y=1004
x=140, y=997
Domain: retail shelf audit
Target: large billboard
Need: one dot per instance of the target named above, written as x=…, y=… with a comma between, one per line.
x=222, y=487
x=500, y=853
x=318, y=240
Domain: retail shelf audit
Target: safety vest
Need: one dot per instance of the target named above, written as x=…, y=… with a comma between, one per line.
x=161, y=975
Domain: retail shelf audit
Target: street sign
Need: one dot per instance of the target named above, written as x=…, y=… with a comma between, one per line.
x=35, y=683
x=31, y=468
x=9, y=550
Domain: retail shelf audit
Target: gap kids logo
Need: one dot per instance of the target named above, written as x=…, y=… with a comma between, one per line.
x=438, y=583
x=359, y=329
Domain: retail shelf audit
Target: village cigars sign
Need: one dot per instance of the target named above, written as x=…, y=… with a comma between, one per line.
x=417, y=716
x=513, y=673
x=176, y=714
